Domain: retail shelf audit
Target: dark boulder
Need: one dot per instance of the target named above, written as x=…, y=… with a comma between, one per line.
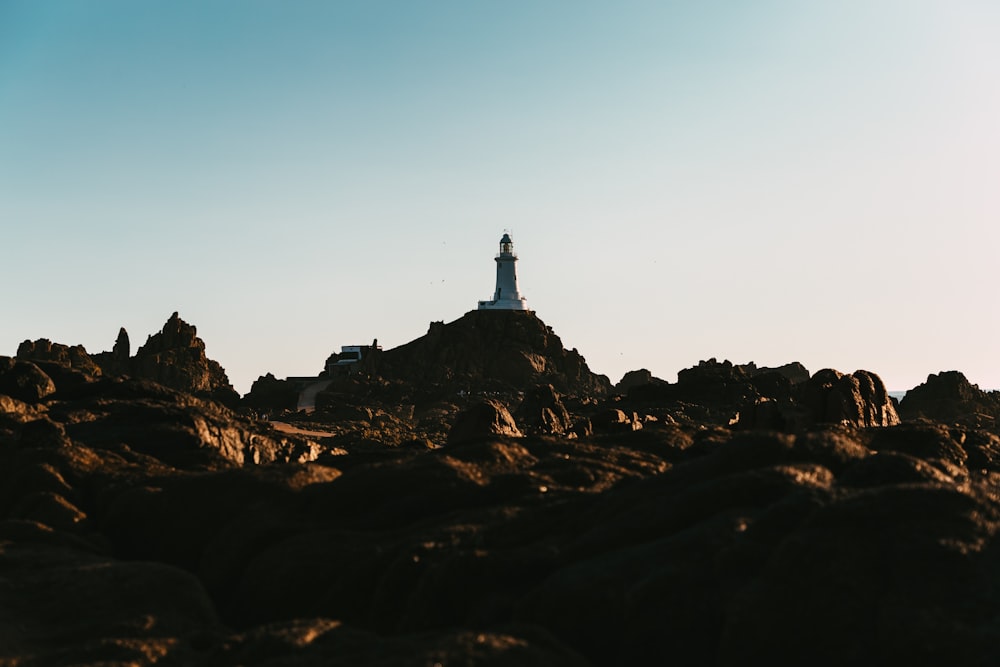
x=542, y=412
x=858, y=399
x=269, y=394
x=24, y=380
x=481, y=420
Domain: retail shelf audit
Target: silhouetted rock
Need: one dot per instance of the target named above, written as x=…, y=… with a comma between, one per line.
x=859, y=399
x=636, y=378
x=269, y=394
x=140, y=524
x=175, y=357
x=794, y=372
x=488, y=350
x=481, y=420
x=948, y=396
x=24, y=380
x=74, y=356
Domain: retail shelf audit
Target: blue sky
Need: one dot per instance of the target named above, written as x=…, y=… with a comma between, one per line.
x=767, y=181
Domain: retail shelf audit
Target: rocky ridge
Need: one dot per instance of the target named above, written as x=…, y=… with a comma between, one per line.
x=174, y=357
x=733, y=517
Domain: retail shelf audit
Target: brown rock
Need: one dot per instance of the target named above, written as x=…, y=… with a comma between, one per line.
x=24, y=380
x=950, y=397
x=175, y=357
x=489, y=351
x=74, y=356
x=485, y=419
x=859, y=399
x=542, y=412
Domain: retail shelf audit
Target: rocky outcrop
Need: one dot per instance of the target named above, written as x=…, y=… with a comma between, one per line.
x=488, y=351
x=542, y=412
x=795, y=372
x=269, y=394
x=858, y=399
x=636, y=378
x=24, y=380
x=483, y=420
x=126, y=540
x=828, y=397
x=950, y=397
x=175, y=357
x=749, y=397
x=74, y=356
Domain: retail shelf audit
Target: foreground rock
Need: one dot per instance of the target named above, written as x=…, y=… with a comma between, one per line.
x=144, y=525
x=683, y=545
x=482, y=420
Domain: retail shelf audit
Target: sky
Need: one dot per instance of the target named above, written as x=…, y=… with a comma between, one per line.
x=766, y=181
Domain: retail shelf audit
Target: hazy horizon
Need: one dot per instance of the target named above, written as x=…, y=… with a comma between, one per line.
x=770, y=183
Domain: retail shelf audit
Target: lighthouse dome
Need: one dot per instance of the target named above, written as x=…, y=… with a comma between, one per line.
x=506, y=239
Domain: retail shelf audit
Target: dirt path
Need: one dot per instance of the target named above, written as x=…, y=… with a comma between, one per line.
x=307, y=398
x=285, y=427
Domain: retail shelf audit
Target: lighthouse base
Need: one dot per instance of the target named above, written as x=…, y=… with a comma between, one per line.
x=504, y=304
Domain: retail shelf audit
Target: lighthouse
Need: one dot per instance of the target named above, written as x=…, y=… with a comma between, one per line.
x=506, y=296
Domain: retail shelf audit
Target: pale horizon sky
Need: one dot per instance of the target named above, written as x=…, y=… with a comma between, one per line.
x=766, y=181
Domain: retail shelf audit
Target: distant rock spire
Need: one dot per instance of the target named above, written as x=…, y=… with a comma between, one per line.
x=122, y=349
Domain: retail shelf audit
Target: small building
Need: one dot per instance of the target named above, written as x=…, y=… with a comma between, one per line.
x=506, y=296
x=349, y=355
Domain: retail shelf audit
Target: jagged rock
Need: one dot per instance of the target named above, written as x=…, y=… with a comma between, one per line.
x=488, y=351
x=950, y=397
x=484, y=419
x=794, y=372
x=270, y=394
x=122, y=348
x=636, y=378
x=614, y=421
x=24, y=380
x=542, y=412
x=74, y=356
x=175, y=357
x=173, y=427
x=859, y=399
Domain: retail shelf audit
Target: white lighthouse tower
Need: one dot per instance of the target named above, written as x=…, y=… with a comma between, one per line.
x=506, y=296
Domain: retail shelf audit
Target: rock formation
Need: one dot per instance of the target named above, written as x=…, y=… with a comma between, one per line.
x=542, y=412
x=489, y=351
x=74, y=356
x=175, y=357
x=269, y=394
x=636, y=378
x=24, y=380
x=950, y=397
x=142, y=525
x=483, y=420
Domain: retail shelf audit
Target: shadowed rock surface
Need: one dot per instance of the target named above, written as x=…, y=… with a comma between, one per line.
x=144, y=525
x=175, y=357
x=489, y=351
x=949, y=397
